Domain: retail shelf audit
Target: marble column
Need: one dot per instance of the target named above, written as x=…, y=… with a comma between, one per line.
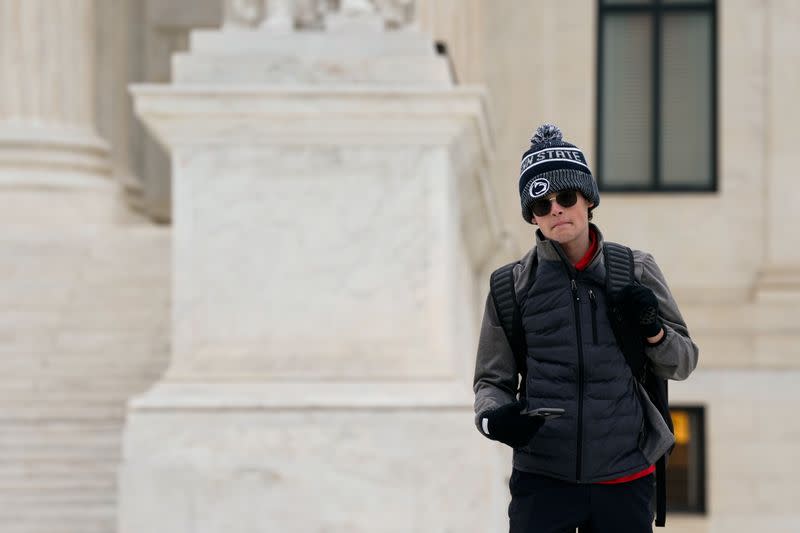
x=47, y=93
x=780, y=275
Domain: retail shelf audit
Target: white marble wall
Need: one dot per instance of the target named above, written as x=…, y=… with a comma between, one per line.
x=752, y=433
x=324, y=267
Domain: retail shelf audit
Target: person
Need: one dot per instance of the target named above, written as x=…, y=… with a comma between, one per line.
x=592, y=467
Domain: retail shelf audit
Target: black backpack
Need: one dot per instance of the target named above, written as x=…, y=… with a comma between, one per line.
x=619, y=273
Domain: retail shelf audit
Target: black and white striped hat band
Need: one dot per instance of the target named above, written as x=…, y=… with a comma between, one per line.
x=551, y=155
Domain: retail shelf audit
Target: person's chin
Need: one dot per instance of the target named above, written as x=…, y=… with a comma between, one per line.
x=562, y=233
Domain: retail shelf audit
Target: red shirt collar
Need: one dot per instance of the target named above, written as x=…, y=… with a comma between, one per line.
x=586, y=259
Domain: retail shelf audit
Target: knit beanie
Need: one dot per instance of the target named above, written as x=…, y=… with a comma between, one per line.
x=553, y=165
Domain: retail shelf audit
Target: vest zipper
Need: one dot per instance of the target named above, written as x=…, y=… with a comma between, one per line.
x=593, y=301
x=576, y=304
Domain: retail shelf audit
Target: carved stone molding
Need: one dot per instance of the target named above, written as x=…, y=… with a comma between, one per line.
x=243, y=13
x=396, y=13
x=356, y=8
x=288, y=15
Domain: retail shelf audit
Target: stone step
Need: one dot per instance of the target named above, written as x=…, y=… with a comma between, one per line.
x=44, y=510
x=89, y=412
x=50, y=518
x=141, y=357
x=12, y=497
x=75, y=463
x=61, y=471
x=58, y=525
x=15, y=438
x=38, y=393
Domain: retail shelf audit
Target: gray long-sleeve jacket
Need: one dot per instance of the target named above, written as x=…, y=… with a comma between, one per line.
x=556, y=360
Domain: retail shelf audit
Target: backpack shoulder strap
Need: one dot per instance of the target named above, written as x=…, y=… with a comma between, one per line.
x=620, y=272
x=504, y=297
x=501, y=286
x=619, y=266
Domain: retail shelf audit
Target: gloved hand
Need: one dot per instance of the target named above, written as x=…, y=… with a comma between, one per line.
x=507, y=425
x=639, y=306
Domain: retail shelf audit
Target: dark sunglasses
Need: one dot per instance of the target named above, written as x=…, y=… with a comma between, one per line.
x=541, y=207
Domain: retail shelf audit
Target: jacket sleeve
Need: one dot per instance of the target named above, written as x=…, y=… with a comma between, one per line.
x=675, y=356
x=496, y=378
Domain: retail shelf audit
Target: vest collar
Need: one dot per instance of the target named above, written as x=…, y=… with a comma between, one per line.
x=549, y=250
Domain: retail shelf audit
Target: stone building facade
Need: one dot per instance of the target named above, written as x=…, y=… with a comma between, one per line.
x=88, y=249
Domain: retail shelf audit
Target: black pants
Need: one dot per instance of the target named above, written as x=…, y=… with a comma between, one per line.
x=540, y=504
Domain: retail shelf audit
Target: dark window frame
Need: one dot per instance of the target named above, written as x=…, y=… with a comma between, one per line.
x=697, y=412
x=657, y=9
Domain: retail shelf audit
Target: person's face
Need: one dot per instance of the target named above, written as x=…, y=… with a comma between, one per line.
x=563, y=223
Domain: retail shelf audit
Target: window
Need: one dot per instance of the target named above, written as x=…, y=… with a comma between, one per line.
x=656, y=97
x=686, y=467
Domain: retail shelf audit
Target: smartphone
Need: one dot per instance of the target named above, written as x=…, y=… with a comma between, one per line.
x=545, y=412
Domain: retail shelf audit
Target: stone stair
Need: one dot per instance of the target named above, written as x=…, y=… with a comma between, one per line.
x=83, y=327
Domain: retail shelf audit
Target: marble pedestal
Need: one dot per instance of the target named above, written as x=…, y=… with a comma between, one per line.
x=327, y=240
x=379, y=457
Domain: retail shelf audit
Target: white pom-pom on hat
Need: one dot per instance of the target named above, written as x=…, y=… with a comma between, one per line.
x=547, y=133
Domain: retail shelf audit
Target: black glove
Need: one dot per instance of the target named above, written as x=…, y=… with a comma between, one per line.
x=507, y=425
x=639, y=307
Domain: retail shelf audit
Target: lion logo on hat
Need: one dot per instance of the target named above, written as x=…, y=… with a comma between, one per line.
x=538, y=187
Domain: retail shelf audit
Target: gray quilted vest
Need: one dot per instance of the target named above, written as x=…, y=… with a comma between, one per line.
x=574, y=363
